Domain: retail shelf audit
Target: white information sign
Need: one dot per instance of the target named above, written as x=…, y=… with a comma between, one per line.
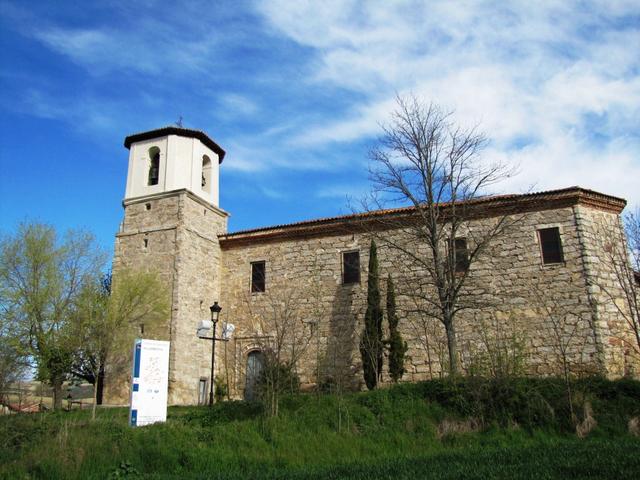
x=149, y=382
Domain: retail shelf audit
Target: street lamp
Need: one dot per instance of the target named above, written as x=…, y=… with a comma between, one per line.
x=215, y=314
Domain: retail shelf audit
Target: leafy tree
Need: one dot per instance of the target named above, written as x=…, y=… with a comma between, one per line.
x=41, y=278
x=371, y=346
x=13, y=364
x=85, y=362
x=397, y=346
x=109, y=316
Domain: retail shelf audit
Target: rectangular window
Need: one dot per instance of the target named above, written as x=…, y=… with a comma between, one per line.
x=462, y=255
x=202, y=391
x=258, y=275
x=350, y=267
x=550, y=245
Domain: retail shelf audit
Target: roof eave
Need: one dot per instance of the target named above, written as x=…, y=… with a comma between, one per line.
x=179, y=131
x=482, y=207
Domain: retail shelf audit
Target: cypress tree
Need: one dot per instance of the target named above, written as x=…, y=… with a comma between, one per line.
x=397, y=347
x=371, y=342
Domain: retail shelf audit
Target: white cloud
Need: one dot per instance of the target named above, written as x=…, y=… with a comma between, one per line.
x=565, y=161
x=349, y=192
x=363, y=121
x=237, y=105
x=127, y=36
x=556, y=85
x=83, y=112
x=242, y=158
x=273, y=193
x=150, y=48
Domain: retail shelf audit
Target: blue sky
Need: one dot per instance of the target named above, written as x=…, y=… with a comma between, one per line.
x=295, y=92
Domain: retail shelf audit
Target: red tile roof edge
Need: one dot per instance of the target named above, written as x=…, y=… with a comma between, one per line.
x=575, y=194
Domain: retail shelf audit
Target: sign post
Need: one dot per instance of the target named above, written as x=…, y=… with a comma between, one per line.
x=149, y=382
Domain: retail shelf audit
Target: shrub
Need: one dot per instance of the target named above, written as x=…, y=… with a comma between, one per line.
x=221, y=388
x=276, y=378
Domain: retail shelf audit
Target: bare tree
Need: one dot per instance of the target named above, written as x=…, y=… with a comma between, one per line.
x=569, y=332
x=423, y=159
x=502, y=351
x=283, y=336
x=427, y=331
x=632, y=230
x=623, y=257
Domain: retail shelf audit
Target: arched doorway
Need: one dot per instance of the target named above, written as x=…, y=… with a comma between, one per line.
x=255, y=364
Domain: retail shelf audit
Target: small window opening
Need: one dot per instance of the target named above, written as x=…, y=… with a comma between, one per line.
x=147, y=206
x=206, y=174
x=461, y=255
x=202, y=391
x=146, y=242
x=154, y=166
x=313, y=325
x=550, y=245
x=258, y=276
x=142, y=329
x=350, y=267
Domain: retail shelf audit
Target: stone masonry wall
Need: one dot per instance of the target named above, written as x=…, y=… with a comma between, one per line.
x=542, y=307
x=513, y=297
x=548, y=316
x=603, y=238
x=306, y=276
x=147, y=242
x=176, y=236
x=197, y=287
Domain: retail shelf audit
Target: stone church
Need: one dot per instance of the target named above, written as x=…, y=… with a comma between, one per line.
x=545, y=287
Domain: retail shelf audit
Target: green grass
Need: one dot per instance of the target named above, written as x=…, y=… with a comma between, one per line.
x=384, y=434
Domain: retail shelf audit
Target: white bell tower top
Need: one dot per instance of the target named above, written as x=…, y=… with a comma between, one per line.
x=173, y=158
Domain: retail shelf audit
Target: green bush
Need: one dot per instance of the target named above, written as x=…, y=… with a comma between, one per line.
x=221, y=388
x=387, y=433
x=535, y=402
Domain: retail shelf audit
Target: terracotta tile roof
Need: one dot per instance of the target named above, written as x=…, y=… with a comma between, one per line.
x=481, y=206
x=182, y=132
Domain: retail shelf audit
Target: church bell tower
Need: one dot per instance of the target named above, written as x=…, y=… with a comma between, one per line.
x=170, y=159
x=171, y=227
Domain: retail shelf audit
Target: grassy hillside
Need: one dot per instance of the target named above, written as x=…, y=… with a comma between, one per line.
x=469, y=429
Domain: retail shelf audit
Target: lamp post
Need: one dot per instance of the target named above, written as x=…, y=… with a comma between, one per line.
x=215, y=314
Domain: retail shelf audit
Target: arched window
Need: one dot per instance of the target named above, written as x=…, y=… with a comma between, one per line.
x=206, y=174
x=154, y=166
